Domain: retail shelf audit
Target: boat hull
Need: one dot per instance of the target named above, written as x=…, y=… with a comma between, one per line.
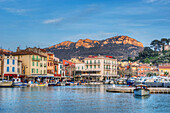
x=20, y=84
x=6, y=84
x=141, y=92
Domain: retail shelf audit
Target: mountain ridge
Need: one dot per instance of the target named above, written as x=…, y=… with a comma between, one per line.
x=118, y=46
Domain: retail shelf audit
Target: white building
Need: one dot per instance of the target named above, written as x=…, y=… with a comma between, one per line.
x=10, y=65
x=98, y=68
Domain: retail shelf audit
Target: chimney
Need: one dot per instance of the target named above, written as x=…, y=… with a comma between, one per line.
x=18, y=49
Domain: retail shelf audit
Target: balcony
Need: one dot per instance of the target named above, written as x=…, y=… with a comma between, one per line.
x=107, y=63
x=97, y=63
x=107, y=68
x=36, y=59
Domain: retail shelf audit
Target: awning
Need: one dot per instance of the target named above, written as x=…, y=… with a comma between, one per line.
x=14, y=75
x=39, y=76
x=57, y=75
x=11, y=75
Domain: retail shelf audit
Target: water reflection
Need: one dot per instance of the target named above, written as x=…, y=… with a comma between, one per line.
x=77, y=99
x=141, y=97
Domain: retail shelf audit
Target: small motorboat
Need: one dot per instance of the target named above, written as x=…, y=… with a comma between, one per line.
x=5, y=83
x=42, y=84
x=52, y=84
x=17, y=83
x=106, y=82
x=141, y=90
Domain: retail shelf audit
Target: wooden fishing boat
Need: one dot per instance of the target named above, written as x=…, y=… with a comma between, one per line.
x=141, y=90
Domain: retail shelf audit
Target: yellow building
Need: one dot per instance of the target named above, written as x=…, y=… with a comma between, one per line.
x=164, y=68
x=33, y=63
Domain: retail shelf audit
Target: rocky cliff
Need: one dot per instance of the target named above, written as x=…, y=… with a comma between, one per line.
x=118, y=46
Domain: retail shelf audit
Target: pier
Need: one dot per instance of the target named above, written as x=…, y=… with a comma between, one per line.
x=153, y=90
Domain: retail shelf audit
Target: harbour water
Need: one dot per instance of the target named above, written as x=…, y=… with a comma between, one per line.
x=79, y=99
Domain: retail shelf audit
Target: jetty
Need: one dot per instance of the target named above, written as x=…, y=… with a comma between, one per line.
x=124, y=89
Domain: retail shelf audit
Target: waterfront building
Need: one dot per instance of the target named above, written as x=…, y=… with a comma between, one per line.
x=164, y=68
x=10, y=65
x=68, y=68
x=79, y=68
x=34, y=64
x=98, y=68
x=143, y=69
x=50, y=64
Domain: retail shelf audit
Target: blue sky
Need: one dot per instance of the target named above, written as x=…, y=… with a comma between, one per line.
x=44, y=23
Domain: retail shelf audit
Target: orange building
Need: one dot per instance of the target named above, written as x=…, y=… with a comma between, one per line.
x=143, y=70
x=50, y=64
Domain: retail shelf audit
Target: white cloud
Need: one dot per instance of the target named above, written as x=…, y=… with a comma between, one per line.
x=17, y=11
x=158, y=1
x=50, y=21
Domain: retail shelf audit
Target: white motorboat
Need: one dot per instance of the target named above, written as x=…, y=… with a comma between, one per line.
x=17, y=83
x=5, y=83
x=141, y=90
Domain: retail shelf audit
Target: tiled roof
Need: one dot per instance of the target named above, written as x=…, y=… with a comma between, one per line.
x=24, y=52
x=4, y=53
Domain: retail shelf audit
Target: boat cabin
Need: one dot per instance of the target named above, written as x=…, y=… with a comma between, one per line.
x=141, y=86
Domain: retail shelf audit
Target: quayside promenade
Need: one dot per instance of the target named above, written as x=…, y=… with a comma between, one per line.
x=125, y=89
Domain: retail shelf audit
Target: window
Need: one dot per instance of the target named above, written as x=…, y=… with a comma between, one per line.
x=55, y=68
x=82, y=67
x=41, y=65
x=78, y=68
x=141, y=69
x=41, y=72
x=87, y=61
x=7, y=69
x=99, y=61
x=90, y=67
x=44, y=65
x=138, y=69
x=33, y=56
x=37, y=70
x=13, y=62
x=7, y=61
x=145, y=68
x=32, y=70
x=37, y=57
x=87, y=67
x=37, y=63
x=32, y=63
x=95, y=61
x=13, y=69
x=98, y=66
x=44, y=71
x=95, y=66
x=90, y=62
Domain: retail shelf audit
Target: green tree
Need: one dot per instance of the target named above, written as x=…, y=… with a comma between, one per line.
x=166, y=73
x=147, y=60
x=156, y=45
x=130, y=59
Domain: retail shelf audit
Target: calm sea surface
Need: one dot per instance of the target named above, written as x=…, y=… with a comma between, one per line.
x=79, y=99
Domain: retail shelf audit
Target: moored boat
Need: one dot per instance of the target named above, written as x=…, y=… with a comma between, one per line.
x=17, y=83
x=141, y=90
x=5, y=83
